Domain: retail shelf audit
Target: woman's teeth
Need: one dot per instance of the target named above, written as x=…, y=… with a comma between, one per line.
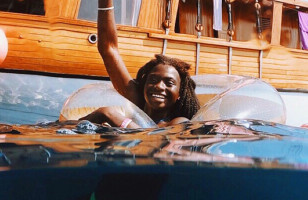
x=158, y=96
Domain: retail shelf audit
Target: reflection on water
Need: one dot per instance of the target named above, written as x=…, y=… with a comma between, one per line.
x=246, y=143
x=29, y=99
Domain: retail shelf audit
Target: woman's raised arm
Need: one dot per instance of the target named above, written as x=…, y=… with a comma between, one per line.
x=108, y=48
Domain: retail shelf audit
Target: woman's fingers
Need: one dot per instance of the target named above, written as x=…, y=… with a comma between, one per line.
x=95, y=117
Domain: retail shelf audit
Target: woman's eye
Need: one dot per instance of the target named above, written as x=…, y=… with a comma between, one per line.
x=170, y=83
x=153, y=80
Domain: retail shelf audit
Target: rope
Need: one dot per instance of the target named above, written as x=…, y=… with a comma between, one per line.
x=198, y=28
x=167, y=24
x=258, y=19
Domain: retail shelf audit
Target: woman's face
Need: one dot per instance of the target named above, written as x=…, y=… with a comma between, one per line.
x=162, y=87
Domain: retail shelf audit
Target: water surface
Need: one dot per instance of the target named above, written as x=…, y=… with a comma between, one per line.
x=248, y=143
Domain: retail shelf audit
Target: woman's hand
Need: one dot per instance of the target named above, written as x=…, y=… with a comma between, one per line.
x=113, y=115
x=100, y=115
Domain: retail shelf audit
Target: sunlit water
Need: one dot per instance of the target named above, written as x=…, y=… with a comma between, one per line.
x=38, y=100
x=30, y=99
x=240, y=142
x=69, y=160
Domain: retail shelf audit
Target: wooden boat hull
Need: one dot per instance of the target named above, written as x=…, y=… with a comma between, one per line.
x=60, y=45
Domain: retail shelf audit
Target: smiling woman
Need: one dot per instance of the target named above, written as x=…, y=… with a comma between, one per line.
x=163, y=87
x=166, y=86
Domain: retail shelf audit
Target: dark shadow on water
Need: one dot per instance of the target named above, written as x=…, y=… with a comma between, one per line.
x=130, y=186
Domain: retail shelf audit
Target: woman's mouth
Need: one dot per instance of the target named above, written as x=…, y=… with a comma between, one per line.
x=159, y=96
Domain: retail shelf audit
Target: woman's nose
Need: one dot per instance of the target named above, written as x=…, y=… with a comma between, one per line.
x=160, y=85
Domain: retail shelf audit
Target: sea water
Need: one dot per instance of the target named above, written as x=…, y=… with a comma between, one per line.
x=219, y=159
x=228, y=159
x=30, y=99
x=37, y=100
x=249, y=143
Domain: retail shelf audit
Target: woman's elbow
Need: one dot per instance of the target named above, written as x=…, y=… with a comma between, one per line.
x=102, y=48
x=106, y=50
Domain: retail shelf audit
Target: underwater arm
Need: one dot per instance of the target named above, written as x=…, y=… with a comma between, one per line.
x=108, y=49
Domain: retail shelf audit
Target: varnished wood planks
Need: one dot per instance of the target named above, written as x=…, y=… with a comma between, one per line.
x=156, y=10
x=59, y=44
x=152, y=10
x=276, y=24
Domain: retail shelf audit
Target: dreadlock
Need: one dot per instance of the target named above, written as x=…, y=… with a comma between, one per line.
x=188, y=103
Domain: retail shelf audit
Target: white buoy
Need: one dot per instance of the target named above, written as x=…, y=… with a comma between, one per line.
x=3, y=46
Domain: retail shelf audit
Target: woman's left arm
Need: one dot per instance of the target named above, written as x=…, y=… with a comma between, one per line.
x=111, y=116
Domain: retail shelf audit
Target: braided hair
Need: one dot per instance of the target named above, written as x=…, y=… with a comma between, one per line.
x=188, y=103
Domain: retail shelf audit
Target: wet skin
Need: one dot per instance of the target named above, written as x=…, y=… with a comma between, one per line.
x=161, y=90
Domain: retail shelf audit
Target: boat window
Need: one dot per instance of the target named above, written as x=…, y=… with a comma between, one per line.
x=34, y=7
x=126, y=11
x=290, y=34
